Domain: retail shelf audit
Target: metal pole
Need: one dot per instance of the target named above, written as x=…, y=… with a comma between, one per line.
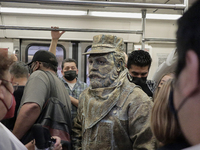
x=186, y=5
x=160, y=39
x=143, y=28
x=103, y=4
x=3, y=27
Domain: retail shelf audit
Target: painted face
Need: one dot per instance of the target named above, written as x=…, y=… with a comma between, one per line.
x=136, y=71
x=102, y=70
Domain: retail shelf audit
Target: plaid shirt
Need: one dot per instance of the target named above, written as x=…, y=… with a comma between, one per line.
x=78, y=88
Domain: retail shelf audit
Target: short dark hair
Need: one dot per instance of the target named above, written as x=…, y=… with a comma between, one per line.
x=49, y=66
x=139, y=58
x=68, y=60
x=188, y=35
x=19, y=69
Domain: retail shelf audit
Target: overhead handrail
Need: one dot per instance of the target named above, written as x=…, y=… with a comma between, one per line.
x=159, y=40
x=104, y=4
x=4, y=27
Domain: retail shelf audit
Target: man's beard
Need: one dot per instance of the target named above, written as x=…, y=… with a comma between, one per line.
x=100, y=81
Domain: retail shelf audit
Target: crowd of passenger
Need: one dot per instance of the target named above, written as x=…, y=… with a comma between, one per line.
x=120, y=109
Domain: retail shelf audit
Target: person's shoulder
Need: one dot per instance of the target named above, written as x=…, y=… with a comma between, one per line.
x=138, y=96
x=81, y=83
x=38, y=73
x=151, y=82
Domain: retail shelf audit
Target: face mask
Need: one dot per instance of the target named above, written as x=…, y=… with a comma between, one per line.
x=139, y=81
x=142, y=83
x=70, y=75
x=10, y=110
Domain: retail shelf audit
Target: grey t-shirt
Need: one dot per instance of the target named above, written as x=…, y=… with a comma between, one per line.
x=37, y=90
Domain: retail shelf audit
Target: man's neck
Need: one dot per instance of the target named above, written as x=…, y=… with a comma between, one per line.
x=47, y=69
x=73, y=81
x=20, y=81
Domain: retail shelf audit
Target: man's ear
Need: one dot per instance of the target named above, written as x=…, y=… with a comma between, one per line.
x=189, y=78
x=37, y=65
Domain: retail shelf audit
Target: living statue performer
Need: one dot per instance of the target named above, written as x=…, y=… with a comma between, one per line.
x=113, y=113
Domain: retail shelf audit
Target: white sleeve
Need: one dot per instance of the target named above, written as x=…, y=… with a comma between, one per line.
x=9, y=141
x=167, y=66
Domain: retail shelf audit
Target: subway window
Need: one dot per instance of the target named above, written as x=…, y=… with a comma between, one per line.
x=33, y=48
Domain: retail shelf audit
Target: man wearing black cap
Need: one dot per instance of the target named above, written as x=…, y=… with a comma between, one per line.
x=37, y=90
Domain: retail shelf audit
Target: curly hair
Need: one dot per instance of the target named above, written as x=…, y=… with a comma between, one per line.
x=139, y=58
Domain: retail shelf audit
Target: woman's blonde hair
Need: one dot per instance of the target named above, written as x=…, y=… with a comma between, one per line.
x=163, y=123
x=171, y=74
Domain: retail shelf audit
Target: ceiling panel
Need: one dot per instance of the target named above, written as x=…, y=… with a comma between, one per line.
x=100, y=8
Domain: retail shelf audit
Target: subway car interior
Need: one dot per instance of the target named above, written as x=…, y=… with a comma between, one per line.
x=25, y=27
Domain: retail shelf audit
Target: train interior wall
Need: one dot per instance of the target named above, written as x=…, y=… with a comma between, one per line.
x=15, y=39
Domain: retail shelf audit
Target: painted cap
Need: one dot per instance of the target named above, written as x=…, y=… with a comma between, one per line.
x=106, y=44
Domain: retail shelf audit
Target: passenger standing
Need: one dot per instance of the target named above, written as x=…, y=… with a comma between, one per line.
x=113, y=113
x=186, y=93
x=163, y=123
x=19, y=74
x=70, y=73
x=7, y=107
x=164, y=79
x=139, y=63
x=73, y=85
x=37, y=91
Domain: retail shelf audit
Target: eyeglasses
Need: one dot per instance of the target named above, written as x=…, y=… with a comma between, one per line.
x=7, y=84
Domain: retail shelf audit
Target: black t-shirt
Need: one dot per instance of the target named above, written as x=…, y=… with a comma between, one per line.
x=9, y=123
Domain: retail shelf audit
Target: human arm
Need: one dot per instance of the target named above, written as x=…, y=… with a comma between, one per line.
x=167, y=66
x=34, y=96
x=55, y=35
x=74, y=101
x=26, y=118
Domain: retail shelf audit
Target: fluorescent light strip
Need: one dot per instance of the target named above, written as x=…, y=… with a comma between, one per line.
x=133, y=15
x=84, y=13
x=42, y=11
x=163, y=16
x=115, y=14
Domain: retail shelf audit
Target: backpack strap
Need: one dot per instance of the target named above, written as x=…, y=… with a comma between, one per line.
x=53, y=92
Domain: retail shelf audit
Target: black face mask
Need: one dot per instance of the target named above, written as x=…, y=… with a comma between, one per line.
x=70, y=75
x=139, y=81
x=142, y=83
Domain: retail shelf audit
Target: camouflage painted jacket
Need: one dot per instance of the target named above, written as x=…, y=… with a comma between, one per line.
x=117, y=118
